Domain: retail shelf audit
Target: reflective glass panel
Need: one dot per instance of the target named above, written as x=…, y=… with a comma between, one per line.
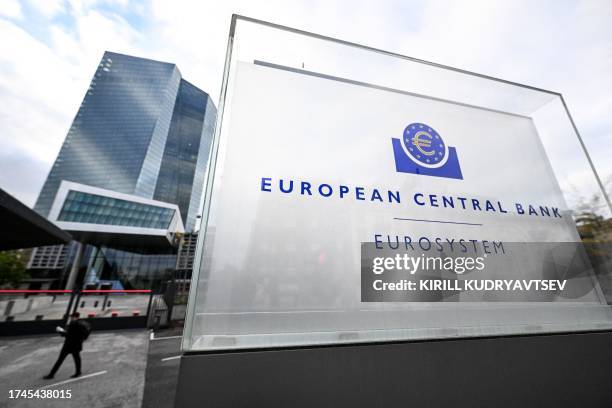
x=333, y=162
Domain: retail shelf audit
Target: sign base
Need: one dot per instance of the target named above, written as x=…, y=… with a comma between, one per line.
x=538, y=370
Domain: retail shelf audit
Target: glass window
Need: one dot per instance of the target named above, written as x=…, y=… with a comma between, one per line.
x=91, y=208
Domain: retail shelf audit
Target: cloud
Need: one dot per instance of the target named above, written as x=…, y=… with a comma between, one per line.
x=42, y=83
x=47, y=8
x=10, y=9
x=22, y=175
x=37, y=91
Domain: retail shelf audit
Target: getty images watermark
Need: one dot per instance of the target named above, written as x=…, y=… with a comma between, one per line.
x=518, y=272
x=459, y=266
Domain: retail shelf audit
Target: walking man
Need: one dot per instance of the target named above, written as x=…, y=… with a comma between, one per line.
x=76, y=333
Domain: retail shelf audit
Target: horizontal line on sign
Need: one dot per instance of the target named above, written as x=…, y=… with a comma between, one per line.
x=437, y=221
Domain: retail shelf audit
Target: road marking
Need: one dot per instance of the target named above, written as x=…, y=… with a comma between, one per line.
x=170, y=358
x=164, y=338
x=74, y=379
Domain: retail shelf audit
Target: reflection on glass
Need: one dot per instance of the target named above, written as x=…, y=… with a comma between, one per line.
x=303, y=146
x=95, y=209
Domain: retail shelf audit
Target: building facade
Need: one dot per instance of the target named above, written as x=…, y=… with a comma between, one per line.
x=181, y=176
x=141, y=131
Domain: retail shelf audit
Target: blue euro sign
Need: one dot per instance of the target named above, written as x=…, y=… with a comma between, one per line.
x=423, y=151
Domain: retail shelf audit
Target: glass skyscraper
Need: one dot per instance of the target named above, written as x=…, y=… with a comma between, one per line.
x=181, y=176
x=141, y=129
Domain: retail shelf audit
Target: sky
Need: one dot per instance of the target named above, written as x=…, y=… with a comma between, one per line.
x=49, y=50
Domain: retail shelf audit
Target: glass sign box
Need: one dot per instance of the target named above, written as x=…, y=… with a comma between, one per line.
x=333, y=163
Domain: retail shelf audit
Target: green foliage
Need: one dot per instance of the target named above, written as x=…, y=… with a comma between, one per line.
x=12, y=268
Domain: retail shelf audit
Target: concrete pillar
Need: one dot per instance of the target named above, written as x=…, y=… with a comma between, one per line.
x=74, y=269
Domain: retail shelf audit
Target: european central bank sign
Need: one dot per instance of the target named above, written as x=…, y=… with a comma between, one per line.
x=422, y=152
x=319, y=176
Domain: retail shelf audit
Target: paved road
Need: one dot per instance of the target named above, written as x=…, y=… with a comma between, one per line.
x=162, y=370
x=119, y=357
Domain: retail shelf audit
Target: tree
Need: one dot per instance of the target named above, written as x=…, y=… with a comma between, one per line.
x=12, y=268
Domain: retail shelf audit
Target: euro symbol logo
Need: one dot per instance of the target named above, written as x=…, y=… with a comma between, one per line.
x=423, y=139
x=421, y=150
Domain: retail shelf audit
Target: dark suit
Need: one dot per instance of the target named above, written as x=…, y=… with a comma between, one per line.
x=75, y=335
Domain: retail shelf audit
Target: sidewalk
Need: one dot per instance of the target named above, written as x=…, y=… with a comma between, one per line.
x=113, y=370
x=162, y=369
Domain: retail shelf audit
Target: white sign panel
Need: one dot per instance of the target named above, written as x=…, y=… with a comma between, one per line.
x=312, y=169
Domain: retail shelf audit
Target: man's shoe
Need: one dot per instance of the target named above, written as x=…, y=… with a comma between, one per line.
x=48, y=377
x=75, y=375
